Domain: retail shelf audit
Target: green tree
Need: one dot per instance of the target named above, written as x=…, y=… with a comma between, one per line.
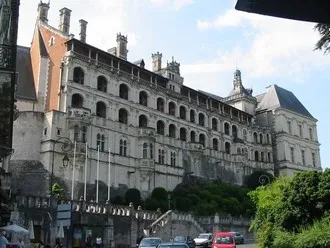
x=324, y=42
x=58, y=192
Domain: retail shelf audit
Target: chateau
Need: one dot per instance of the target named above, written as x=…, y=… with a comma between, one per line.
x=158, y=131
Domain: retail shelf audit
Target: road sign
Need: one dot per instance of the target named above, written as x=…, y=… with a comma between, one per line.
x=64, y=214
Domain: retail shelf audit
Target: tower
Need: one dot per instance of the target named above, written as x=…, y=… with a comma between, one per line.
x=65, y=15
x=122, y=46
x=156, y=61
x=43, y=11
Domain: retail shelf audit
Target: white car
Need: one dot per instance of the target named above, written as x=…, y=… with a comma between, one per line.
x=204, y=240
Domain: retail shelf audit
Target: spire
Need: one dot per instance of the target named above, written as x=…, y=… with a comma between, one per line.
x=237, y=79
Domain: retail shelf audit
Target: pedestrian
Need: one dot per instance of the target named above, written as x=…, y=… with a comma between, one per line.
x=89, y=241
x=98, y=242
x=3, y=240
x=58, y=243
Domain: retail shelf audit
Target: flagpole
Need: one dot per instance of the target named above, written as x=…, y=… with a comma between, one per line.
x=97, y=173
x=85, y=179
x=73, y=170
x=109, y=179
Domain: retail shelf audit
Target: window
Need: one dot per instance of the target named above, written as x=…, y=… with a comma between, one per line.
x=123, y=91
x=214, y=124
x=300, y=131
x=183, y=134
x=192, y=137
x=58, y=131
x=244, y=135
x=234, y=131
x=102, y=148
x=267, y=137
x=151, y=147
x=182, y=112
x=45, y=131
x=303, y=157
x=310, y=133
x=289, y=127
x=269, y=157
x=145, y=150
x=161, y=156
x=160, y=127
x=84, y=134
x=98, y=141
x=143, y=121
x=123, y=116
x=171, y=131
x=192, y=116
x=102, y=84
x=313, y=159
x=215, y=144
x=202, y=139
x=78, y=75
x=261, y=138
x=262, y=158
x=238, y=150
x=226, y=125
x=201, y=119
x=171, y=108
x=77, y=101
x=75, y=133
x=160, y=104
x=227, y=148
x=173, y=155
x=101, y=110
x=123, y=148
x=255, y=138
x=256, y=156
x=292, y=154
x=143, y=98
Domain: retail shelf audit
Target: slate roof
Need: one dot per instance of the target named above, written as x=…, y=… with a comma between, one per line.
x=25, y=82
x=277, y=97
x=218, y=98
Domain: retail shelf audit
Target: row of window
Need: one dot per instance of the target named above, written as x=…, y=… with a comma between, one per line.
x=300, y=130
x=303, y=158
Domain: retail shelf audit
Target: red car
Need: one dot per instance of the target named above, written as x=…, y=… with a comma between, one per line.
x=223, y=240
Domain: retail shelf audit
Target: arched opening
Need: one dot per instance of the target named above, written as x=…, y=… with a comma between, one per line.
x=171, y=131
x=259, y=178
x=214, y=124
x=192, y=137
x=201, y=119
x=123, y=116
x=77, y=101
x=234, y=131
x=101, y=110
x=255, y=137
x=215, y=144
x=269, y=157
x=171, y=108
x=102, y=84
x=143, y=121
x=238, y=150
x=192, y=116
x=244, y=135
x=160, y=104
x=202, y=139
x=256, y=156
x=261, y=137
x=160, y=127
x=226, y=127
x=123, y=91
x=227, y=148
x=182, y=112
x=262, y=158
x=143, y=98
x=78, y=75
x=183, y=134
x=268, y=139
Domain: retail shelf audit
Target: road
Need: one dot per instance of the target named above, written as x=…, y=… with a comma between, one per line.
x=247, y=246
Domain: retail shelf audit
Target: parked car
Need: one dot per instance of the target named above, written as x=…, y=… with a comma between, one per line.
x=239, y=238
x=185, y=239
x=150, y=242
x=172, y=245
x=223, y=240
x=204, y=240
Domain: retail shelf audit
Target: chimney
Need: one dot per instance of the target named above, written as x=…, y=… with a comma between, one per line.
x=65, y=15
x=122, y=46
x=156, y=61
x=43, y=12
x=83, y=27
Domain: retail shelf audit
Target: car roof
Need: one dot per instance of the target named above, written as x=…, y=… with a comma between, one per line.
x=205, y=234
x=172, y=243
x=223, y=233
x=152, y=238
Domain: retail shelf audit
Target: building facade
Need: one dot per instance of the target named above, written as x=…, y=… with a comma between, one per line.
x=155, y=131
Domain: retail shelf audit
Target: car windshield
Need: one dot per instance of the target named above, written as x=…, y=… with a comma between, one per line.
x=180, y=239
x=150, y=242
x=223, y=240
x=203, y=236
x=172, y=246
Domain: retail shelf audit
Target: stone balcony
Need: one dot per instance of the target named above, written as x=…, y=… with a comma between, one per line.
x=79, y=114
x=194, y=146
x=146, y=163
x=146, y=132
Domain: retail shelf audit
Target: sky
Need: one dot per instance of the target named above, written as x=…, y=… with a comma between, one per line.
x=210, y=39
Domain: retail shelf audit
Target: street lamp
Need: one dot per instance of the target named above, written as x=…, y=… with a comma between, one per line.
x=65, y=161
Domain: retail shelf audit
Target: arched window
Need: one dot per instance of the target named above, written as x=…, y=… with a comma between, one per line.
x=238, y=150
x=256, y=156
x=143, y=121
x=214, y=124
x=202, y=139
x=261, y=137
x=161, y=156
x=192, y=137
x=255, y=137
x=76, y=133
x=192, y=116
x=77, y=101
x=101, y=110
x=123, y=91
x=102, y=84
x=226, y=126
x=84, y=134
x=183, y=134
x=201, y=119
x=143, y=98
x=145, y=150
x=123, y=148
x=102, y=143
x=244, y=135
x=123, y=116
x=160, y=127
x=227, y=148
x=269, y=157
x=234, y=131
x=160, y=104
x=262, y=158
x=171, y=131
x=78, y=75
x=268, y=139
x=171, y=108
x=215, y=144
x=182, y=112
x=151, y=149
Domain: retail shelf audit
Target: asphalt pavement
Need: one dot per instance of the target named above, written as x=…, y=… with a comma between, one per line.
x=248, y=245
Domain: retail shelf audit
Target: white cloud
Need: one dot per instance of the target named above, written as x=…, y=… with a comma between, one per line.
x=174, y=4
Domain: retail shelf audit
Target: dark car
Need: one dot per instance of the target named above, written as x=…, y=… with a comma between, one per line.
x=239, y=238
x=185, y=239
x=151, y=242
x=172, y=245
